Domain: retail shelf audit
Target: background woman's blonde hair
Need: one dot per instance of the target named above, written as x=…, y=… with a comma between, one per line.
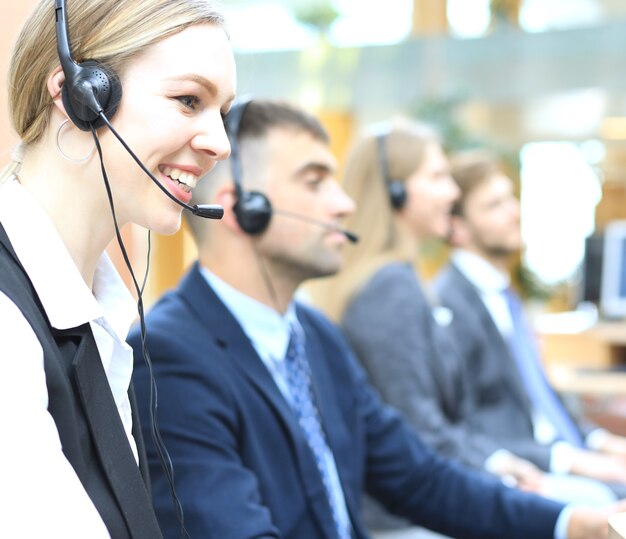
x=109, y=31
x=381, y=238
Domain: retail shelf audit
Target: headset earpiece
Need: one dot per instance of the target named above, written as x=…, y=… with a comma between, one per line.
x=90, y=87
x=253, y=209
x=397, y=193
x=395, y=188
x=95, y=79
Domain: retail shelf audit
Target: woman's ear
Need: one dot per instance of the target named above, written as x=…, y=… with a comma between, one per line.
x=55, y=84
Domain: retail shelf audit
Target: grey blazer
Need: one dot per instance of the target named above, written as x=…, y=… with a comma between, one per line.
x=413, y=364
x=503, y=410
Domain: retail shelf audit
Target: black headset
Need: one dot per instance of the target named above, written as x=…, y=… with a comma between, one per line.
x=253, y=210
x=395, y=187
x=90, y=87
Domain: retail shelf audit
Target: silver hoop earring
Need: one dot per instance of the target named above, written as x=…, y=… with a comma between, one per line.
x=63, y=154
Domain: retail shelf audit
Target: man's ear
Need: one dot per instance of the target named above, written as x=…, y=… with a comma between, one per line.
x=55, y=81
x=226, y=196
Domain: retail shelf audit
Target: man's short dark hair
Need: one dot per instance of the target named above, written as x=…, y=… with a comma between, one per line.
x=469, y=170
x=260, y=116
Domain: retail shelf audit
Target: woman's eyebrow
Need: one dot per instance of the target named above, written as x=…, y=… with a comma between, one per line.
x=198, y=79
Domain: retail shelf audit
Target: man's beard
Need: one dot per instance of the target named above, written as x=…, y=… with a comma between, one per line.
x=495, y=250
x=302, y=270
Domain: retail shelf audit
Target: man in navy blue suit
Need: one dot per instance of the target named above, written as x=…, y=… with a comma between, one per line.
x=272, y=428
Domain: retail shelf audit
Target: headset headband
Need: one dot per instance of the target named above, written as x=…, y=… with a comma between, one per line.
x=233, y=123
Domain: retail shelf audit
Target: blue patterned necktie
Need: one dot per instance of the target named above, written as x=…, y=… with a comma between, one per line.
x=302, y=402
x=528, y=361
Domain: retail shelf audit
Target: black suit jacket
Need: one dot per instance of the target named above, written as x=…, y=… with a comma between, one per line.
x=242, y=465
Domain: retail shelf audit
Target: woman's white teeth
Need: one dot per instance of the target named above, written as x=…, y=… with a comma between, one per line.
x=188, y=179
x=185, y=178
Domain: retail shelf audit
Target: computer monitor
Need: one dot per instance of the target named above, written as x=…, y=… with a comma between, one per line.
x=592, y=270
x=613, y=284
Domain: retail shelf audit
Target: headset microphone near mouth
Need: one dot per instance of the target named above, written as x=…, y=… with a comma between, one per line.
x=208, y=211
x=350, y=236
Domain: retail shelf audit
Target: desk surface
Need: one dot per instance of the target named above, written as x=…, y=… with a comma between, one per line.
x=587, y=381
x=610, y=332
x=602, y=345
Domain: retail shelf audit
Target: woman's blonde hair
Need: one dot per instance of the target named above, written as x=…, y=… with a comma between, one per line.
x=109, y=31
x=381, y=238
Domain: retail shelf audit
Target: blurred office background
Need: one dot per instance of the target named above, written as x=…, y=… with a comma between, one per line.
x=541, y=81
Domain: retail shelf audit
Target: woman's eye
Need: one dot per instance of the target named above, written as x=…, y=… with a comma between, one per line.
x=314, y=183
x=189, y=101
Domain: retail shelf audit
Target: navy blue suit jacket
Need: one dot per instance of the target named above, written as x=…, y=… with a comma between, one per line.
x=242, y=466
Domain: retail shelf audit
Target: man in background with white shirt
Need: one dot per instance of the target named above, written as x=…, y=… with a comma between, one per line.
x=514, y=401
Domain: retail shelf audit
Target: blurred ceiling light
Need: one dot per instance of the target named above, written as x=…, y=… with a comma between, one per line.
x=365, y=22
x=572, y=114
x=248, y=24
x=543, y=15
x=265, y=25
x=468, y=18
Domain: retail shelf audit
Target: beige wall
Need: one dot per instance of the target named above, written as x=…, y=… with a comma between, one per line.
x=14, y=13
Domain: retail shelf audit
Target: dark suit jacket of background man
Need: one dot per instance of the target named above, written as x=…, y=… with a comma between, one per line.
x=502, y=406
x=241, y=462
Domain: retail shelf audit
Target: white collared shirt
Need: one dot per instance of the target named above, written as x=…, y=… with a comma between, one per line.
x=46, y=498
x=268, y=332
x=490, y=282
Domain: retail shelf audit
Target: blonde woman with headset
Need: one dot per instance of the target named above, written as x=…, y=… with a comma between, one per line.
x=72, y=451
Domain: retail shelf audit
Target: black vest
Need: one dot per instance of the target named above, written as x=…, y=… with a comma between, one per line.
x=82, y=406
